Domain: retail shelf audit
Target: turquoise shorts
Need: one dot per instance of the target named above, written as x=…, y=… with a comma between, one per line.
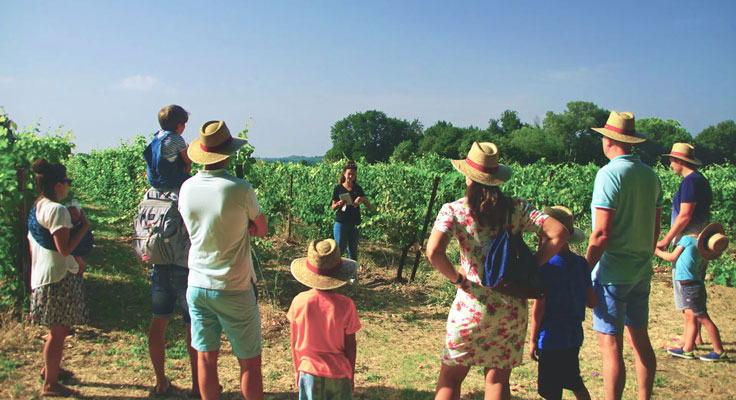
x=233, y=311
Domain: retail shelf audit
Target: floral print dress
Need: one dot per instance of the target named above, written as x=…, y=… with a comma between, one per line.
x=484, y=327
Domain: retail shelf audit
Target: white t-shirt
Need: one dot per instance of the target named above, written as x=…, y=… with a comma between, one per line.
x=216, y=208
x=49, y=266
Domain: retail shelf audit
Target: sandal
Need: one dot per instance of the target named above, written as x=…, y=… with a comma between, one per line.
x=60, y=391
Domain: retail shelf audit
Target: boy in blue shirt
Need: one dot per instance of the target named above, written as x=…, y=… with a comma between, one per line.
x=688, y=257
x=167, y=162
x=556, y=324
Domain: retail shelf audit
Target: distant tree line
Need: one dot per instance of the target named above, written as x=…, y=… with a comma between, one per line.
x=561, y=138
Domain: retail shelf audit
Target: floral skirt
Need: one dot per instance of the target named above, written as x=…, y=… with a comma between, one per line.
x=485, y=328
x=62, y=303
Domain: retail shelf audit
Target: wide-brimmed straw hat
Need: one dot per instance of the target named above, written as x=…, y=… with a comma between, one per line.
x=712, y=241
x=621, y=127
x=481, y=165
x=564, y=215
x=323, y=268
x=215, y=143
x=684, y=152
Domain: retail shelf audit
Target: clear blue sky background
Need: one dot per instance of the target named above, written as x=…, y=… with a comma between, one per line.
x=103, y=69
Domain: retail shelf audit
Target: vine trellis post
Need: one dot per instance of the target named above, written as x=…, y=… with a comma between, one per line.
x=420, y=241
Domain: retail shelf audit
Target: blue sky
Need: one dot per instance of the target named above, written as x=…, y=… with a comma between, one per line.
x=290, y=70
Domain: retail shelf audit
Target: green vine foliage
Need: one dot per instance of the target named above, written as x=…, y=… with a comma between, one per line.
x=18, y=149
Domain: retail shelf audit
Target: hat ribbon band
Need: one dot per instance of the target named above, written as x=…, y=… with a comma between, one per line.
x=475, y=165
x=324, y=271
x=626, y=132
x=211, y=149
x=677, y=153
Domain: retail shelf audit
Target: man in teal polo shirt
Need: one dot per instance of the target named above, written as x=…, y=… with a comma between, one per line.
x=221, y=213
x=626, y=208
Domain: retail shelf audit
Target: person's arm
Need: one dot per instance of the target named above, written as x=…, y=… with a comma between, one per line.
x=293, y=352
x=185, y=157
x=657, y=221
x=351, y=349
x=258, y=227
x=437, y=254
x=598, y=241
x=337, y=204
x=667, y=256
x=82, y=265
x=687, y=210
x=553, y=235
x=65, y=241
x=361, y=199
x=590, y=299
x=536, y=324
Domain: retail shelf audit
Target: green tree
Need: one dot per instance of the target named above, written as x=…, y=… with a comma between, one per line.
x=442, y=139
x=370, y=134
x=529, y=144
x=581, y=144
x=661, y=136
x=717, y=144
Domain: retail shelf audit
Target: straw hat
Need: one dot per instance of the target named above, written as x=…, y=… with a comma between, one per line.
x=621, y=128
x=712, y=241
x=481, y=165
x=214, y=143
x=684, y=152
x=564, y=215
x=323, y=268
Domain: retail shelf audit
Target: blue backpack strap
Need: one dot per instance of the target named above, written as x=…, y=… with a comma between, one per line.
x=41, y=235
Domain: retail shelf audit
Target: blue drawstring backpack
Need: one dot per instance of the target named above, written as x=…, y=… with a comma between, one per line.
x=510, y=268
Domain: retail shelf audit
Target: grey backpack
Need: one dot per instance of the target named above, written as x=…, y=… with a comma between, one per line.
x=160, y=236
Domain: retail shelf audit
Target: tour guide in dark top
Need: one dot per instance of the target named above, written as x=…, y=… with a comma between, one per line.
x=346, y=199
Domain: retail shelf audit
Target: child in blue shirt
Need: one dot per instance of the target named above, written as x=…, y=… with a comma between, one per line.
x=167, y=162
x=688, y=257
x=556, y=324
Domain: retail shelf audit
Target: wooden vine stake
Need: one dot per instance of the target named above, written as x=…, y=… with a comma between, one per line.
x=424, y=229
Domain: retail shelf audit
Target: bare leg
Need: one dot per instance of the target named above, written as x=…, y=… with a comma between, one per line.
x=251, y=379
x=52, y=351
x=698, y=336
x=192, y=361
x=713, y=333
x=449, y=382
x=209, y=382
x=646, y=361
x=497, y=384
x=157, y=352
x=688, y=337
x=614, y=372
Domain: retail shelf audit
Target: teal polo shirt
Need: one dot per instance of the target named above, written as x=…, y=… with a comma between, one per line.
x=633, y=190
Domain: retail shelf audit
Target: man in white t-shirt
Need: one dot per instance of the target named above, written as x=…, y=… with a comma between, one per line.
x=221, y=213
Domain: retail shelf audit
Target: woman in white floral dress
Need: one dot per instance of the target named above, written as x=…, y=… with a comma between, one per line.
x=484, y=328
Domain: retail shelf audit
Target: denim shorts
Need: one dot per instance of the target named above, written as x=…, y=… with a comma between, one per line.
x=312, y=387
x=169, y=284
x=619, y=305
x=234, y=311
x=694, y=296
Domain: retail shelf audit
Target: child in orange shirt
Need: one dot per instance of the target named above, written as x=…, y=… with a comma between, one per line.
x=323, y=324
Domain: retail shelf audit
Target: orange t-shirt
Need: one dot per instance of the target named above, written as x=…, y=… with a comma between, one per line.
x=319, y=322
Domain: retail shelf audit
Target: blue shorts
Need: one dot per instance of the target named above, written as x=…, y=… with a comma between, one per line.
x=617, y=305
x=234, y=311
x=694, y=296
x=312, y=387
x=169, y=284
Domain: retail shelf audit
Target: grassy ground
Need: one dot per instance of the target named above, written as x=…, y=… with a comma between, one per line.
x=398, y=347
